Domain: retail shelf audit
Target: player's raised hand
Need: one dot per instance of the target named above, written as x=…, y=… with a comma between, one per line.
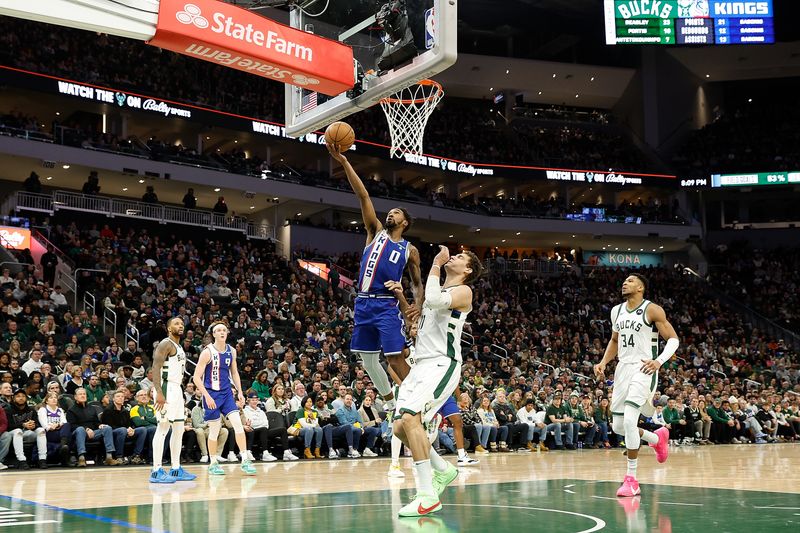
x=335, y=153
x=442, y=257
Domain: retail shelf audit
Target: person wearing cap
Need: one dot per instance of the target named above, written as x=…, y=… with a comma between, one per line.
x=24, y=428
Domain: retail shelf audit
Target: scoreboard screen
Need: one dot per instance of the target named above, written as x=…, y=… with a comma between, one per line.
x=689, y=22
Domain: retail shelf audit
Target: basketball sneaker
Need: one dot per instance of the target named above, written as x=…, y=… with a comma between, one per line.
x=248, y=468
x=160, y=476
x=662, y=446
x=423, y=504
x=442, y=479
x=181, y=475
x=629, y=487
x=215, y=470
x=396, y=471
x=467, y=461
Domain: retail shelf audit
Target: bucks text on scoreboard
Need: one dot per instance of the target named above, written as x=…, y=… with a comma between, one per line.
x=689, y=22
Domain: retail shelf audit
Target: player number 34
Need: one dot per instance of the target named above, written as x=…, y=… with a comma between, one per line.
x=627, y=341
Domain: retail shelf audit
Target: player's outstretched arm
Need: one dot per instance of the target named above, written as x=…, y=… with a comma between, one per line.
x=199, y=373
x=655, y=315
x=164, y=350
x=415, y=273
x=460, y=298
x=371, y=221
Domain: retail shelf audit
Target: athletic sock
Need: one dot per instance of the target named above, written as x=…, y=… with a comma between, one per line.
x=396, y=445
x=632, y=467
x=649, y=437
x=424, y=476
x=462, y=453
x=438, y=464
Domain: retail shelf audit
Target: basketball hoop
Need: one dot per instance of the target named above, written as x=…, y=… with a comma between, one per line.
x=407, y=112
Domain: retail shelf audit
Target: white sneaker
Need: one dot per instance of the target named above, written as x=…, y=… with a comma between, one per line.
x=2, y=466
x=353, y=454
x=467, y=461
x=396, y=471
x=221, y=459
x=369, y=453
x=232, y=457
x=268, y=457
x=250, y=456
x=204, y=459
x=333, y=454
x=289, y=456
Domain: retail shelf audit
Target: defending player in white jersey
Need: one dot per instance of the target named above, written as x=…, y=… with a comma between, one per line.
x=436, y=373
x=636, y=325
x=169, y=403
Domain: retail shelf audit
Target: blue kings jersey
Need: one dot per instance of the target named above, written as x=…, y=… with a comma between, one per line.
x=383, y=260
x=218, y=370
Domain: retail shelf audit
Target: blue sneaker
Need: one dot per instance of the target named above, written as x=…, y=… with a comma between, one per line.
x=160, y=476
x=181, y=475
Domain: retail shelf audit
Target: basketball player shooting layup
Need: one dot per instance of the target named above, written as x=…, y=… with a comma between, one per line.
x=636, y=325
x=436, y=373
x=378, y=320
x=168, y=392
x=214, y=376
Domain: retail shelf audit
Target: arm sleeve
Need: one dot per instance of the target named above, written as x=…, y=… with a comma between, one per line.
x=435, y=298
x=42, y=417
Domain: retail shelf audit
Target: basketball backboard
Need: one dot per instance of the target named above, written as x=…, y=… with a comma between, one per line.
x=379, y=72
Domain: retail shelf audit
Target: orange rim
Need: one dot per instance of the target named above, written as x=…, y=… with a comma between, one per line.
x=410, y=101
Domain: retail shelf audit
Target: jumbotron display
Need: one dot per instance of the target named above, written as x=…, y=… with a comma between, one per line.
x=689, y=22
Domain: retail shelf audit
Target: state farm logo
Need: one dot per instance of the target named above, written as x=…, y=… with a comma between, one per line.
x=191, y=14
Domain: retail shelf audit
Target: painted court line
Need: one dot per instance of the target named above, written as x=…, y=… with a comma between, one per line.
x=660, y=502
x=570, y=491
x=784, y=508
x=75, y=512
x=598, y=523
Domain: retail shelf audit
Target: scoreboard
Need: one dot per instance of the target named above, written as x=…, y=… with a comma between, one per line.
x=689, y=22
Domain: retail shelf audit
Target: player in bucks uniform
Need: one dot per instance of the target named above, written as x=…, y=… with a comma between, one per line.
x=436, y=374
x=637, y=324
x=378, y=321
x=214, y=376
x=169, y=362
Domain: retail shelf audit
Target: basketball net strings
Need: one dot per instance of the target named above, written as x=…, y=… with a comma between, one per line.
x=407, y=121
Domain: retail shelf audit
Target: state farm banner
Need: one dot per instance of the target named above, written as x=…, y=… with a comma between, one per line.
x=237, y=38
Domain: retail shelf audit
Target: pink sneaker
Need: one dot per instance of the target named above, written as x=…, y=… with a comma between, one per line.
x=662, y=447
x=629, y=488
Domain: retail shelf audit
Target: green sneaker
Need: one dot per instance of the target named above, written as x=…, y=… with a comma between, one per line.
x=216, y=470
x=248, y=468
x=422, y=505
x=442, y=479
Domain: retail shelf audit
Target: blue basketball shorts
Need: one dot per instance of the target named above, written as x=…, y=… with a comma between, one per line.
x=379, y=325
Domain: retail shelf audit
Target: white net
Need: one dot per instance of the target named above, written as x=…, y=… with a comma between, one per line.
x=407, y=112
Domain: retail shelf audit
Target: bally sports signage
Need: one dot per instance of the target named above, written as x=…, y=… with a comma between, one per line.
x=130, y=100
x=237, y=38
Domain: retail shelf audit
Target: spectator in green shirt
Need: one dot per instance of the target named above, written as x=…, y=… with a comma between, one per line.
x=261, y=386
x=721, y=424
x=94, y=389
x=676, y=423
x=143, y=415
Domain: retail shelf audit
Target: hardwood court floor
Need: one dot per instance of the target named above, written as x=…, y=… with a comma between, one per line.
x=717, y=488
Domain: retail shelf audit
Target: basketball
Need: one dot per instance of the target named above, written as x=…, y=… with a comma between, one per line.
x=340, y=134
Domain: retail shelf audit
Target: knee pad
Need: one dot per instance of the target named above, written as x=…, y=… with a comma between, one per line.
x=618, y=425
x=213, y=429
x=236, y=422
